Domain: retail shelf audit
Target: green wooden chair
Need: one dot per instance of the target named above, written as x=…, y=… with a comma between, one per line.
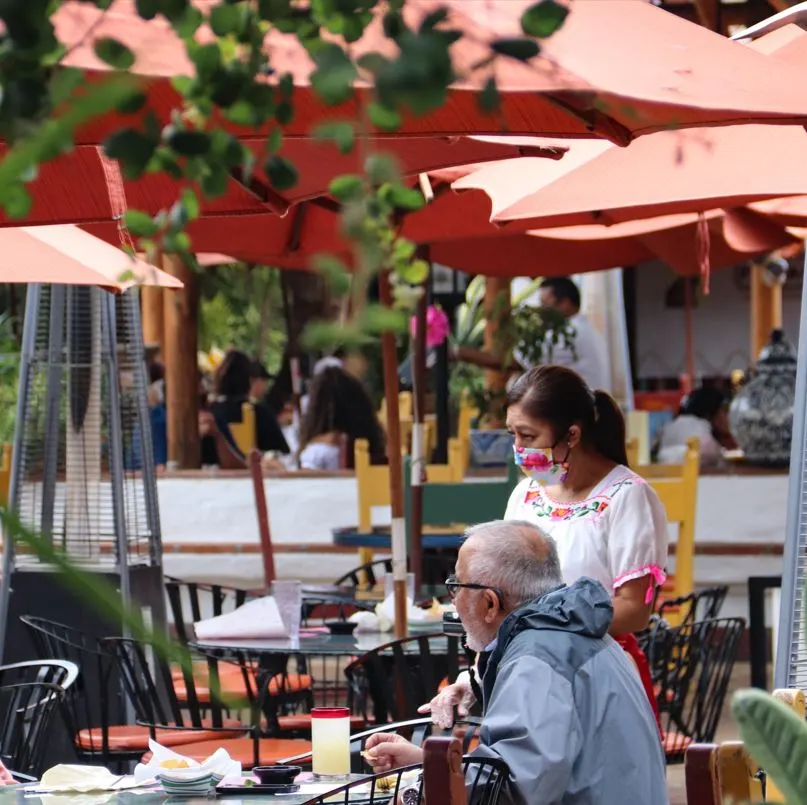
x=449, y=508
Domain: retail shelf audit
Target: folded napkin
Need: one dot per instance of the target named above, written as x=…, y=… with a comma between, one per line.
x=66, y=778
x=256, y=619
x=219, y=764
x=414, y=614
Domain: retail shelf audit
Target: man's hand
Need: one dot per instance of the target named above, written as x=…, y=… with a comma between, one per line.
x=442, y=706
x=385, y=751
x=5, y=776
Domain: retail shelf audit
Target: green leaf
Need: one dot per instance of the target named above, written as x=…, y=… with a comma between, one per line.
x=215, y=181
x=334, y=270
x=346, y=188
x=379, y=319
x=190, y=202
x=284, y=113
x=188, y=23
x=282, y=174
x=516, y=48
x=275, y=141
x=64, y=83
x=206, y=59
x=147, y=9
x=414, y=273
x=189, y=143
x=384, y=118
x=776, y=738
x=382, y=168
x=489, y=99
x=403, y=198
x=225, y=19
x=114, y=53
x=17, y=202
x=320, y=335
x=333, y=79
x=132, y=105
x=140, y=224
x=343, y=134
x=132, y=149
x=544, y=18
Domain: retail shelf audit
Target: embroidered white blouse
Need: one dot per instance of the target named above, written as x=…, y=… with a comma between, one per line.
x=617, y=534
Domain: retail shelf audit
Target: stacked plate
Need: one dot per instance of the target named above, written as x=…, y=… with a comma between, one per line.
x=187, y=782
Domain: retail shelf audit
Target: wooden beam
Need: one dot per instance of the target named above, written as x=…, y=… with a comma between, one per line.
x=180, y=314
x=153, y=315
x=708, y=13
x=766, y=308
x=497, y=308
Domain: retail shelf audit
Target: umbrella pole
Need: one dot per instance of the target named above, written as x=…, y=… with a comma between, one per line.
x=389, y=359
x=419, y=458
x=689, y=335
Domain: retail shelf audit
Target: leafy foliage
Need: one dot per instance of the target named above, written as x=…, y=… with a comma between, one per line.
x=43, y=104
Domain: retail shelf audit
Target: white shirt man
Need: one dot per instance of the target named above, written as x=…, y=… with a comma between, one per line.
x=589, y=357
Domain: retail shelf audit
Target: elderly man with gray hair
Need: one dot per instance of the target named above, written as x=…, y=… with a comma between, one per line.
x=562, y=704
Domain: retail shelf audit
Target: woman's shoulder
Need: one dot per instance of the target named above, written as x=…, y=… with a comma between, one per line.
x=320, y=456
x=628, y=491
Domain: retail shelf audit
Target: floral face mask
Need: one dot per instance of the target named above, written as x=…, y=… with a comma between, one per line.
x=539, y=464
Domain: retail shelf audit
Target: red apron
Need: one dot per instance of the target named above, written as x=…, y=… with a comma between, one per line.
x=631, y=646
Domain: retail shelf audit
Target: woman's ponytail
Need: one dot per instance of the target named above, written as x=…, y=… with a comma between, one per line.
x=609, y=428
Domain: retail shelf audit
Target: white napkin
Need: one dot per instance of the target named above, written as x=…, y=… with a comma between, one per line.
x=414, y=614
x=82, y=779
x=256, y=619
x=370, y=622
x=220, y=764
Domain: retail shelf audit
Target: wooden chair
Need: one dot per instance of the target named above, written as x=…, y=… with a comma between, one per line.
x=406, y=416
x=677, y=488
x=244, y=433
x=373, y=484
x=637, y=424
x=726, y=773
x=467, y=414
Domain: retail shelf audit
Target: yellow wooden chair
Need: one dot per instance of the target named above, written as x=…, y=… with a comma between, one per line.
x=406, y=415
x=5, y=475
x=244, y=433
x=677, y=488
x=373, y=483
x=637, y=425
x=467, y=414
x=733, y=776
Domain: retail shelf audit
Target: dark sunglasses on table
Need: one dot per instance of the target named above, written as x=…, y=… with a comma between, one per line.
x=454, y=586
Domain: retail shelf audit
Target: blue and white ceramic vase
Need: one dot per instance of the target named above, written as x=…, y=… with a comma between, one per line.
x=761, y=415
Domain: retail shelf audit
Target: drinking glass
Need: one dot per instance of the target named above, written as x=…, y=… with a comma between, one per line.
x=330, y=742
x=289, y=599
x=389, y=586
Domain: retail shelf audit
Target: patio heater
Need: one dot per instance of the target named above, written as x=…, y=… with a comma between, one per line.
x=82, y=471
x=790, y=668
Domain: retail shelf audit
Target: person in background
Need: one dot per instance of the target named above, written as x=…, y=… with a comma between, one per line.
x=6, y=777
x=232, y=389
x=589, y=356
x=339, y=411
x=703, y=415
x=561, y=703
x=259, y=379
x=159, y=415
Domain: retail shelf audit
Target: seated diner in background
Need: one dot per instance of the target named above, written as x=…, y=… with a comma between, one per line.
x=562, y=704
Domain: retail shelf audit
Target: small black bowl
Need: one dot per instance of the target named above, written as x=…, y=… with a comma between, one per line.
x=341, y=627
x=276, y=775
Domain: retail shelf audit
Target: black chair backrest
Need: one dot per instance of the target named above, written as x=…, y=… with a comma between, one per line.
x=365, y=576
x=26, y=715
x=149, y=683
x=84, y=705
x=691, y=666
x=191, y=602
x=399, y=676
x=698, y=605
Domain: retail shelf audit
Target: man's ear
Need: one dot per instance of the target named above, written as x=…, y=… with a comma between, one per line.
x=494, y=606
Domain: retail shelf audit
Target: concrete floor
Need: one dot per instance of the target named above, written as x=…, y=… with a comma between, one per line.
x=726, y=731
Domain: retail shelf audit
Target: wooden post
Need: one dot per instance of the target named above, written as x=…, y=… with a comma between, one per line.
x=181, y=310
x=766, y=308
x=153, y=315
x=389, y=358
x=497, y=308
x=443, y=781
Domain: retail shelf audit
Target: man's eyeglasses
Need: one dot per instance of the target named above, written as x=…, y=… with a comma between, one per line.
x=453, y=585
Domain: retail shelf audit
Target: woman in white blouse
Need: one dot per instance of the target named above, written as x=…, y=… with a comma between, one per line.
x=608, y=523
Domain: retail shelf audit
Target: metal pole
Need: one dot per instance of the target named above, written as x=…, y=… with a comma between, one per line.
x=789, y=624
x=390, y=360
x=53, y=398
x=32, y=301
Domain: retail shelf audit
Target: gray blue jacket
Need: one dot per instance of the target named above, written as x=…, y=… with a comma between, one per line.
x=564, y=707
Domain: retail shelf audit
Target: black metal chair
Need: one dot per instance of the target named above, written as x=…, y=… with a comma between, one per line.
x=365, y=577
x=392, y=681
x=698, y=605
x=27, y=710
x=53, y=672
x=691, y=667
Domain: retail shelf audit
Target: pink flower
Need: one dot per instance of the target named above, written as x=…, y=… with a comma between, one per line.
x=437, y=326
